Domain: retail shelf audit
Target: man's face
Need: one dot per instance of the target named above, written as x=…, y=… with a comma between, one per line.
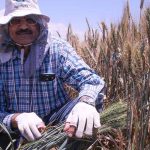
x=23, y=30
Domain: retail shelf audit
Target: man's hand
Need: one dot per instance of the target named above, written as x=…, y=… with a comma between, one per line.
x=29, y=124
x=81, y=120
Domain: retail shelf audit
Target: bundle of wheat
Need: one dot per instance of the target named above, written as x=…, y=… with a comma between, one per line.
x=112, y=118
x=115, y=115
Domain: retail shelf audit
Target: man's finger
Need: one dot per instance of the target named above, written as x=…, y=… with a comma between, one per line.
x=28, y=134
x=81, y=126
x=97, y=123
x=36, y=133
x=72, y=119
x=69, y=129
x=89, y=126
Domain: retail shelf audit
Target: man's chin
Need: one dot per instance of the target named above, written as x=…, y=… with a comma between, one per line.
x=23, y=43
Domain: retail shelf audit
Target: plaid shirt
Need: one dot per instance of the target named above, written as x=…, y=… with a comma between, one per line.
x=21, y=94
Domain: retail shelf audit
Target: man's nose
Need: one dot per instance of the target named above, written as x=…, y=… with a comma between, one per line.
x=23, y=23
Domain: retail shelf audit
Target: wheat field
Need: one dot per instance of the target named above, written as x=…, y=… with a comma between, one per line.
x=121, y=55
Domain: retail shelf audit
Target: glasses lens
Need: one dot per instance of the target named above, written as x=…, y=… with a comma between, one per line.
x=15, y=21
x=30, y=21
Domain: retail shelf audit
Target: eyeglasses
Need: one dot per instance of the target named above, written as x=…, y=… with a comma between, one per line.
x=18, y=20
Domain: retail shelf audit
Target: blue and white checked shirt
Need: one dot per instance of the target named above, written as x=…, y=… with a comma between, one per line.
x=28, y=94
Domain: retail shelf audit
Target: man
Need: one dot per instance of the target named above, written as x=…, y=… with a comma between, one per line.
x=34, y=68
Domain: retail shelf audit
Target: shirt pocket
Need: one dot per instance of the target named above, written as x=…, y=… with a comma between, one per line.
x=49, y=86
x=45, y=96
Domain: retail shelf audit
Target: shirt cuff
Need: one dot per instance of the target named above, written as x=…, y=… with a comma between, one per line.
x=91, y=91
x=7, y=120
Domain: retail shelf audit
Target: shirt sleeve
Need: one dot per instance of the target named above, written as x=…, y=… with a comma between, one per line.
x=78, y=74
x=5, y=117
x=7, y=121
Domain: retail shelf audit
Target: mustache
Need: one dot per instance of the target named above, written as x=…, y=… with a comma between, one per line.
x=24, y=31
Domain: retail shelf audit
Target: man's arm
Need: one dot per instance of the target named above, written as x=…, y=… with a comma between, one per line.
x=84, y=116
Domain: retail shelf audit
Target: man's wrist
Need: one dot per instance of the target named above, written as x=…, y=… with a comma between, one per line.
x=13, y=120
x=87, y=100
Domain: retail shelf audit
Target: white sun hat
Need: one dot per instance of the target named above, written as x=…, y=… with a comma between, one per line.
x=19, y=8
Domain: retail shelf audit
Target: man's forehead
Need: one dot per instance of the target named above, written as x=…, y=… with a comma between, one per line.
x=27, y=16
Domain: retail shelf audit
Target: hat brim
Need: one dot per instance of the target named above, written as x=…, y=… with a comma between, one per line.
x=5, y=19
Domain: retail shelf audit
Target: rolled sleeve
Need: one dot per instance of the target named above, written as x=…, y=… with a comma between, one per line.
x=79, y=75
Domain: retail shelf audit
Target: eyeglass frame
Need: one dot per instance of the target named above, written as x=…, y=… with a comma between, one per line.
x=27, y=18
